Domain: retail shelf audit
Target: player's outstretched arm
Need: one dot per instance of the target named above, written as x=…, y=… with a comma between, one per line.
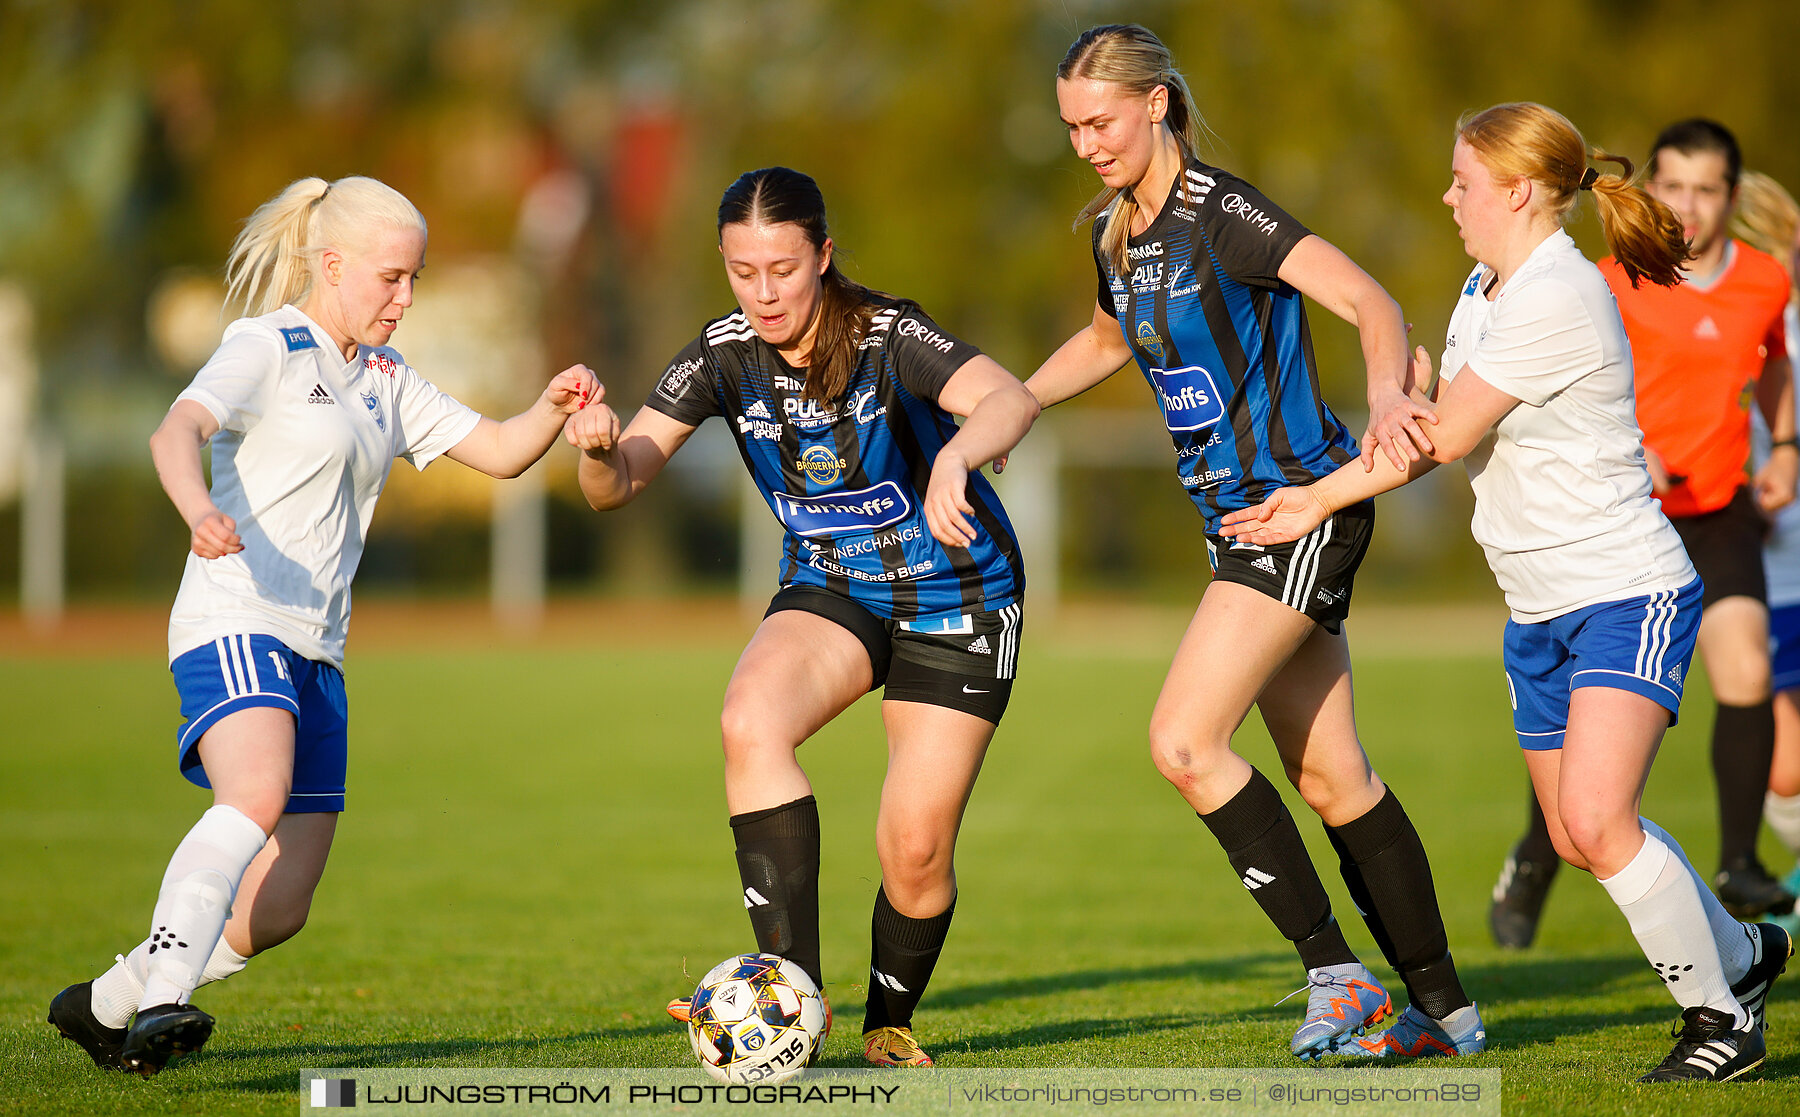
x=1096, y=351
x=175, y=448
x=997, y=410
x=1468, y=410
x=509, y=448
x=615, y=466
x=1398, y=412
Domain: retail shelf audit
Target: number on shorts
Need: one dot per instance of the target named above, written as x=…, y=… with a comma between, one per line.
x=280, y=665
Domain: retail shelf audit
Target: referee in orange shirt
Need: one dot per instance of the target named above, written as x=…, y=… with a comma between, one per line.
x=1703, y=351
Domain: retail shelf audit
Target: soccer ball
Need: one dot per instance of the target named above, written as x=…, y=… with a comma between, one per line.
x=756, y=1018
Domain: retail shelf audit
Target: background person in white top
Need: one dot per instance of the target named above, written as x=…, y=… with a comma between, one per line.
x=1605, y=605
x=306, y=409
x=1768, y=219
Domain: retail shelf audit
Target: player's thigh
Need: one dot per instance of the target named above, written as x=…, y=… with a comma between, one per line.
x=1237, y=642
x=934, y=756
x=1734, y=645
x=1544, y=766
x=798, y=672
x=248, y=757
x=1607, y=751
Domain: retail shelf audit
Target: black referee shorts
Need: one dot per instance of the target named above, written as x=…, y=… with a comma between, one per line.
x=964, y=662
x=1725, y=547
x=1313, y=575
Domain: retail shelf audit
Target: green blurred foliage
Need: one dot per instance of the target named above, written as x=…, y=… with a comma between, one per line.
x=134, y=137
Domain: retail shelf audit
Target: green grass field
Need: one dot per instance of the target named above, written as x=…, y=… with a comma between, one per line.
x=536, y=858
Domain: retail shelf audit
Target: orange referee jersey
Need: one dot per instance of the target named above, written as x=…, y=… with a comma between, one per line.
x=1698, y=350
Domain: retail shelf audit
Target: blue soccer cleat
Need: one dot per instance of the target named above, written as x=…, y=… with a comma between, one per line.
x=1341, y=1002
x=1417, y=1036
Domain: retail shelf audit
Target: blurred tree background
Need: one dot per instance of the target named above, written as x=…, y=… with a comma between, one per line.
x=569, y=156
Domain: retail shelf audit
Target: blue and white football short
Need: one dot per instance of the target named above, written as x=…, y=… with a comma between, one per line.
x=1784, y=646
x=1641, y=644
x=237, y=672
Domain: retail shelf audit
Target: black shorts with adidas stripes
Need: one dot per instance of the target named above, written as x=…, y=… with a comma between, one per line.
x=964, y=662
x=1313, y=575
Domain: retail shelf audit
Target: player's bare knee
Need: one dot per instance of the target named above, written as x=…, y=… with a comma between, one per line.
x=263, y=806
x=745, y=736
x=1185, y=757
x=914, y=860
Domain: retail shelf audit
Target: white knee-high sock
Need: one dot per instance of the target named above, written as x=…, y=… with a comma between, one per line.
x=195, y=901
x=117, y=991
x=1657, y=894
x=1782, y=813
x=1729, y=935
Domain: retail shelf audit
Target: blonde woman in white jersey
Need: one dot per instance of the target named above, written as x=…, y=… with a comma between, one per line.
x=306, y=408
x=1537, y=396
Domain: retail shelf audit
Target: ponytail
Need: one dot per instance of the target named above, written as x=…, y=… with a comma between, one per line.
x=1522, y=139
x=271, y=263
x=274, y=258
x=1643, y=234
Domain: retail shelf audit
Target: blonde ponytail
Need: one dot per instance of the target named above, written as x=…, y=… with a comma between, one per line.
x=274, y=259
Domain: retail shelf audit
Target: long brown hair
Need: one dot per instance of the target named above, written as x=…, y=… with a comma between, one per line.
x=780, y=196
x=1136, y=59
x=1523, y=139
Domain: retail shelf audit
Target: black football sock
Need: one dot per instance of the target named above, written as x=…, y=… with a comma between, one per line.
x=902, y=953
x=1536, y=845
x=1743, y=746
x=1260, y=838
x=778, y=862
x=1385, y=866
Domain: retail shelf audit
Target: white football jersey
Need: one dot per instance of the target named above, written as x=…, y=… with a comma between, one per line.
x=1562, y=496
x=303, y=450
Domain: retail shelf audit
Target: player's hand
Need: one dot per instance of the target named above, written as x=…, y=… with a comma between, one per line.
x=215, y=535
x=1774, y=483
x=1287, y=515
x=947, y=508
x=574, y=388
x=1660, y=481
x=999, y=464
x=594, y=428
x=1397, y=420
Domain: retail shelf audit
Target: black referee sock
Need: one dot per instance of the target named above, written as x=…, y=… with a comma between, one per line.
x=1260, y=838
x=1536, y=845
x=902, y=953
x=1384, y=865
x=1743, y=746
x=778, y=861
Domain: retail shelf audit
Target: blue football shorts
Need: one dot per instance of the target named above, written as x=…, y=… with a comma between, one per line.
x=1644, y=645
x=1784, y=646
x=237, y=672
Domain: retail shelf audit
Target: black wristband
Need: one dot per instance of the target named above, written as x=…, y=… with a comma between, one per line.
x=1794, y=442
